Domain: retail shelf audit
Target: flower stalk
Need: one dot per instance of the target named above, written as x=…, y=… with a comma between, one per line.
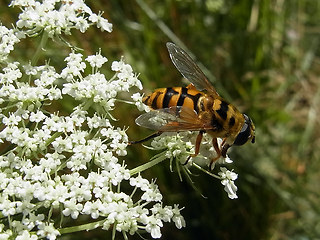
x=83, y=227
x=40, y=48
x=154, y=161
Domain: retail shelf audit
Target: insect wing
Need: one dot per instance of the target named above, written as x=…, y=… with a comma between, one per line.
x=172, y=119
x=189, y=69
x=155, y=119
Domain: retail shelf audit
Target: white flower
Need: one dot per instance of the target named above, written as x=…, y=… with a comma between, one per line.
x=4, y=234
x=101, y=22
x=54, y=94
x=227, y=179
x=56, y=19
x=176, y=147
x=25, y=235
x=72, y=208
x=81, y=24
x=177, y=218
x=165, y=214
x=75, y=66
x=61, y=144
x=117, y=65
x=92, y=208
x=117, y=173
x=31, y=70
x=48, y=231
x=22, y=3
x=11, y=73
x=8, y=207
x=153, y=226
x=33, y=220
x=37, y=117
x=51, y=161
x=94, y=122
x=96, y=60
x=48, y=76
x=140, y=182
x=137, y=98
x=152, y=194
x=12, y=120
x=7, y=40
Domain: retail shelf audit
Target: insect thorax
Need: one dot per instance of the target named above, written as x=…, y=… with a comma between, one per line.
x=226, y=120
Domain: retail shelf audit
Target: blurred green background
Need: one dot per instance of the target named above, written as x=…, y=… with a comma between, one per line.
x=261, y=55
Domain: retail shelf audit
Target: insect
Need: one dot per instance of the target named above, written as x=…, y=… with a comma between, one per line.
x=176, y=109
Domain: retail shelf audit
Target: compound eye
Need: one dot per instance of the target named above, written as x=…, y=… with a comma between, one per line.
x=243, y=136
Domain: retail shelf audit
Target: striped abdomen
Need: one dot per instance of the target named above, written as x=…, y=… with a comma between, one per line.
x=173, y=96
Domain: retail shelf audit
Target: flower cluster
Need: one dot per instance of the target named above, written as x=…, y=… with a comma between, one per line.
x=57, y=17
x=180, y=146
x=227, y=179
x=7, y=41
x=57, y=166
x=176, y=145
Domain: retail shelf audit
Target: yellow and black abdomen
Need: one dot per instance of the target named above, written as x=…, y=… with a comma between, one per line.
x=173, y=96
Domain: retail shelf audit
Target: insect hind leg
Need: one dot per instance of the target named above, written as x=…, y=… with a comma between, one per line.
x=156, y=134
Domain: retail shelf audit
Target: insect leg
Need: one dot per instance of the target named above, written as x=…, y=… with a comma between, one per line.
x=198, y=142
x=146, y=138
x=197, y=150
x=223, y=141
x=224, y=150
x=216, y=147
x=218, y=151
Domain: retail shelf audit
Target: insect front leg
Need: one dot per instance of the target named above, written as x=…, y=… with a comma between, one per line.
x=224, y=150
x=146, y=138
x=218, y=151
x=197, y=145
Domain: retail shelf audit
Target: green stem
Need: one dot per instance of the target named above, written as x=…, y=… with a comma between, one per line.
x=114, y=231
x=159, y=158
x=84, y=227
x=87, y=105
x=54, y=136
x=124, y=101
x=125, y=237
x=40, y=48
x=205, y=171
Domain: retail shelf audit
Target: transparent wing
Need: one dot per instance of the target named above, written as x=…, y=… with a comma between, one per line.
x=172, y=119
x=189, y=69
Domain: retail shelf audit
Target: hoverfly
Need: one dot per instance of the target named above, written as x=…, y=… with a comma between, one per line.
x=176, y=109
